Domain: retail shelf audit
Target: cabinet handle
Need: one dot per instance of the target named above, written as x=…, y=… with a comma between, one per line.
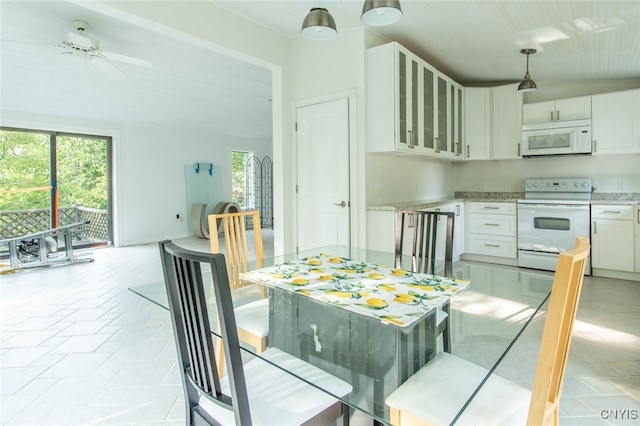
x=638, y=216
x=458, y=212
x=595, y=146
x=595, y=227
x=468, y=151
x=518, y=150
x=558, y=115
x=551, y=116
x=410, y=141
x=492, y=245
x=437, y=144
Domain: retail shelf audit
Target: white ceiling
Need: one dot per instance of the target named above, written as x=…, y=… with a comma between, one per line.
x=475, y=42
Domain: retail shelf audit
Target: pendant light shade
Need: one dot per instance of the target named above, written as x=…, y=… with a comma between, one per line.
x=319, y=25
x=381, y=12
x=527, y=85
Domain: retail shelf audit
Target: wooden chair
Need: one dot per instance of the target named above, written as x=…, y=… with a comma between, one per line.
x=252, y=318
x=499, y=401
x=424, y=248
x=254, y=392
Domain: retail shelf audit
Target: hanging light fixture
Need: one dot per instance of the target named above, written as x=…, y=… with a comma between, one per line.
x=319, y=25
x=381, y=12
x=527, y=85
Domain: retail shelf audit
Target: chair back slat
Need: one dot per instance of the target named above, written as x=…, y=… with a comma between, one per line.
x=423, y=247
x=556, y=337
x=236, y=240
x=190, y=320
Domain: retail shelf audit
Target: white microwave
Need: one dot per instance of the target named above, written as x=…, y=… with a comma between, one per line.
x=557, y=138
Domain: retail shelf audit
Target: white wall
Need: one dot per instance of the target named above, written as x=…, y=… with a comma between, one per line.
x=609, y=173
x=149, y=170
x=398, y=178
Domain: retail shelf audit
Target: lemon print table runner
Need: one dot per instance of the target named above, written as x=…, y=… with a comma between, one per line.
x=394, y=296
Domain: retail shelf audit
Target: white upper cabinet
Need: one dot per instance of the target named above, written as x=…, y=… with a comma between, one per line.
x=506, y=119
x=616, y=123
x=558, y=110
x=393, y=87
x=493, y=122
x=411, y=107
x=477, y=123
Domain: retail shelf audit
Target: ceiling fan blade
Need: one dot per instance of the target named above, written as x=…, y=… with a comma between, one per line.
x=106, y=67
x=51, y=60
x=127, y=59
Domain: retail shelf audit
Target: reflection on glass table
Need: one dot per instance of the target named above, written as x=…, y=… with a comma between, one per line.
x=345, y=320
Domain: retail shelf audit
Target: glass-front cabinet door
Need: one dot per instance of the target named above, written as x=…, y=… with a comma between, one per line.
x=428, y=109
x=442, y=128
x=408, y=101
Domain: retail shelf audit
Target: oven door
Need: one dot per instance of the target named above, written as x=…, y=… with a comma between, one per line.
x=546, y=229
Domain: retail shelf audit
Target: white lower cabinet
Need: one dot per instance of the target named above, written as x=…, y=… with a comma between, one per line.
x=612, y=237
x=491, y=229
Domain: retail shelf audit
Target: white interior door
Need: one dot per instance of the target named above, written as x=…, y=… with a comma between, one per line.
x=323, y=201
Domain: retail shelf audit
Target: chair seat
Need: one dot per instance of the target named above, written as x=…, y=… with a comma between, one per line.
x=275, y=397
x=254, y=317
x=438, y=391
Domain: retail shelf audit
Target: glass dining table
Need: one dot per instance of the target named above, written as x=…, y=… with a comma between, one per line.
x=367, y=318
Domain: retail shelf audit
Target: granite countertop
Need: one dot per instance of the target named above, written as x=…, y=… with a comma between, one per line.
x=618, y=198
x=415, y=205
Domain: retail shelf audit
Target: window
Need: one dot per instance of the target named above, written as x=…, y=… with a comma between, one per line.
x=239, y=183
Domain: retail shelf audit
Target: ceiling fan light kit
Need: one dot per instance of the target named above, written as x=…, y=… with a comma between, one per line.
x=527, y=85
x=381, y=12
x=320, y=25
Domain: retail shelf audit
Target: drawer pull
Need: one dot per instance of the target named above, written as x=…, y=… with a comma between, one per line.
x=491, y=208
x=611, y=212
x=492, y=245
x=491, y=224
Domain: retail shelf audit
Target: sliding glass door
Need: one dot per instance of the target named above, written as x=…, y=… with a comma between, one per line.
x=49, y=180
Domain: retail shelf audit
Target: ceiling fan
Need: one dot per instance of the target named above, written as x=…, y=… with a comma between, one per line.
x=78, y=43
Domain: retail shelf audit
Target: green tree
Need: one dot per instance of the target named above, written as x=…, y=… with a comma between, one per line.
x=82, y=175
x=238, y=176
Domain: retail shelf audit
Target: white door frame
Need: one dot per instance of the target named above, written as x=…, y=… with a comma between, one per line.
x=353, y=160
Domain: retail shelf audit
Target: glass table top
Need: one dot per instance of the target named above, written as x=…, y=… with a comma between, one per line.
x=487, y=314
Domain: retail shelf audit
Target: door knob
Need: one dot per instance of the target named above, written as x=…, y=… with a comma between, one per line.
x=341, y=204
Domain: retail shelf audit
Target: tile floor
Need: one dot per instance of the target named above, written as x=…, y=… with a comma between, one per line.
x=78, y=348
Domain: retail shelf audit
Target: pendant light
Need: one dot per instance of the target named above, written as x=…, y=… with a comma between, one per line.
x=381, y=12
x=527, y=85
x=319, y=25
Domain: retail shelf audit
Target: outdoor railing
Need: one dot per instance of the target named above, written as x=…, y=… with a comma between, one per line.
x=16, y=223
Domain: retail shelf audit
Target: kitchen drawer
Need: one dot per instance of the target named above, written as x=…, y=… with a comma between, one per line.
x=488, y=245
x=493, y=224
x=494, y=208
x=612, y=212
